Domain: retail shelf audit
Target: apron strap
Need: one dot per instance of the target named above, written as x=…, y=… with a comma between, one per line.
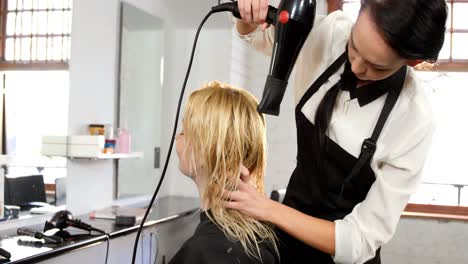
x=322, y=79
x=369, y=145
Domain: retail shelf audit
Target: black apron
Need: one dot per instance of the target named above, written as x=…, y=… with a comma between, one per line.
x=344, y=183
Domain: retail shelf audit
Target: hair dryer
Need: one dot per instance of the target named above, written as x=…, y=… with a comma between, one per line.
x=63, y=219
x=293, y=21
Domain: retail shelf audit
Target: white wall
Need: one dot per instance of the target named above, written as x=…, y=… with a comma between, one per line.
x=211, y=62
x=93, y=80
x=249, y=70
x=93, y=85
x=93, y=74
x=93, y=68
x=222, y=56
x=419, y=241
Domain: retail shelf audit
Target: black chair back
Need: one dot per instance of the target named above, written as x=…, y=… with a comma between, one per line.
x=23, y=190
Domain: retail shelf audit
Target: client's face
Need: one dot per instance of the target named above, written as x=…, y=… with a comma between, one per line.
x=184, y=158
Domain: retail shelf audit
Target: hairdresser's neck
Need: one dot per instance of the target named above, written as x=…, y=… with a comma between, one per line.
x=361, y=83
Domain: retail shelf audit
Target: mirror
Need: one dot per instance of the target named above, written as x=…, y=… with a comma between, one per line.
x=141, y=78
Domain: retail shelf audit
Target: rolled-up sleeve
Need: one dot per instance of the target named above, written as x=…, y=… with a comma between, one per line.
x=373, y=222
x=260, y=40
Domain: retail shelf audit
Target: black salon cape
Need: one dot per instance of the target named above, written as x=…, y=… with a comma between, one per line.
x=210, y=245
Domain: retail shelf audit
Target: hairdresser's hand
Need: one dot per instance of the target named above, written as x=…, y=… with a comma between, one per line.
x=248, y=200
x=253, y=13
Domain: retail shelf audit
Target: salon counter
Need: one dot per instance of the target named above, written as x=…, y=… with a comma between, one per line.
x=171, y=221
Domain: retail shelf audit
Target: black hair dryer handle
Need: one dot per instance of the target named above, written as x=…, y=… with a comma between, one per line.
x=294, y=23
x=234, y=9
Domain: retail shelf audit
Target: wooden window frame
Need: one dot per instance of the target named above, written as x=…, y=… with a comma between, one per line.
x=437, y=212
x=429, y=211
x=450, y=64
x=22, y=66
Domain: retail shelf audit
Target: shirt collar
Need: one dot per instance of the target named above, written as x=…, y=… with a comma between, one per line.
x=369, y=92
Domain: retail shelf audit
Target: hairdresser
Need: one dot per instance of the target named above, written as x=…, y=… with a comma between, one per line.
x=363, y=128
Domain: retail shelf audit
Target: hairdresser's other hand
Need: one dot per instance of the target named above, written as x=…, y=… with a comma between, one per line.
x=253, y=13
x=248, y=200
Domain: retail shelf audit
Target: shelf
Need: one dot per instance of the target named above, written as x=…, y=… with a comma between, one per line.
x=133, y=155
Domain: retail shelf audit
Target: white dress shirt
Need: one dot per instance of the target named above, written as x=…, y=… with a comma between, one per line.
x=401, y=148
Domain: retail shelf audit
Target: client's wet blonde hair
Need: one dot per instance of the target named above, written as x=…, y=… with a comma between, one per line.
x=223, y=130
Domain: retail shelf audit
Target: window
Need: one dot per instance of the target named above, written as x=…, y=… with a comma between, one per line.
x=36, y=104
x=35, y=34
x=35, y=40
x=454, y=50
x=444, y=176
x=445, y=180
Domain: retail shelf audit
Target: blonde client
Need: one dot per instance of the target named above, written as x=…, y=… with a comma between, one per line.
x=222, y=130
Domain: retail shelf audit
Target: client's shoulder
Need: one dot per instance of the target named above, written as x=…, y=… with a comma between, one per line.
x=210, y=243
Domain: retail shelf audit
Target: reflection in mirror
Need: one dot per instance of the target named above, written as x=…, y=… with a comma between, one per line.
x=141, y=71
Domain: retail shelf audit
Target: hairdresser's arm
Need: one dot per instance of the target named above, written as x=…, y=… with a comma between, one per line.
x=372, y=223
x=253, y=13
x=252, y=27
x=315, y=232
x=245, y=28
x=334, y=5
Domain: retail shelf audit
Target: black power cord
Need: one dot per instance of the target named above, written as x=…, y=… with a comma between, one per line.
x=135, y=246
x=107, y=247
x=102, y=232
x=105, y=234
x=219, y=1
